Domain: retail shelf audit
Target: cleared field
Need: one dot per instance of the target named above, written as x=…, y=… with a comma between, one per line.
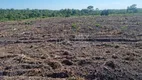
x=100, y=48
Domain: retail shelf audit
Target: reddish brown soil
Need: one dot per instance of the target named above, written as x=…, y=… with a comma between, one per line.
x=82, y=48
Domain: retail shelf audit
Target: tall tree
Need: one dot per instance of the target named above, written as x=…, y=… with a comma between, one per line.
x=105, y=13
x=90, y=8
x=132, y=9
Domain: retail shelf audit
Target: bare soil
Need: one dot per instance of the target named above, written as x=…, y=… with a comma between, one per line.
x=77, y=48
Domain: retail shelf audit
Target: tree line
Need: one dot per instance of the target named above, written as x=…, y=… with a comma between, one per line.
x=15, y=14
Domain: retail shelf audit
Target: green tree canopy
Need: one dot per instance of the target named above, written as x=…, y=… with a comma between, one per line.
x=132, y=8
x=90, y=8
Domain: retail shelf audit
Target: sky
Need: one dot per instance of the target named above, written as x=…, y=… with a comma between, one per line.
x=65, y=4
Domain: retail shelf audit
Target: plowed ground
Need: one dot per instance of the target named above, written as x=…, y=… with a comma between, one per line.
x=78, y=48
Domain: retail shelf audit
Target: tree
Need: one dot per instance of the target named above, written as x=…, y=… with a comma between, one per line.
x=16, y=14
x=97, y=11
x=105, y=13
x=132, y=9
x=90, y=8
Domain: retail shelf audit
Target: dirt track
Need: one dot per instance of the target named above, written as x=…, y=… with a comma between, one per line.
x=100, y=48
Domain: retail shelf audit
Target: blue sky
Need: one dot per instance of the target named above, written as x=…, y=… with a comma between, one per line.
x=72, y=4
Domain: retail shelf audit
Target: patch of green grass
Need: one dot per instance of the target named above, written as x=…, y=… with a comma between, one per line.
x=98, y=25
x=75, y=27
